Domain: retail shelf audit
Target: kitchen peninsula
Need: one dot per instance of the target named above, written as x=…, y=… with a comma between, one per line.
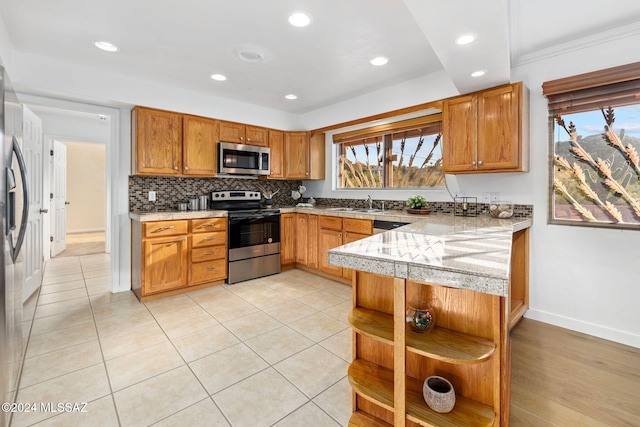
x=474, y=272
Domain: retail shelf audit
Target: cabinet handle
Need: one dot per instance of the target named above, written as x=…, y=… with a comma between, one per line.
x=208, y=238
x=208, y=253
x=479, y=162
x=473, y=163
x=209, y=269
x=306, y=173
x=241, y=138
x=248, y=139
x=175, y=167
x=161, y=229
x=186, y=168
x=211, y=224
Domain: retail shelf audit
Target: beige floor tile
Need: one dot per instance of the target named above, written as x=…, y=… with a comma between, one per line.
x=50, y=279
x=60, y=362
x=51, y=341
x=340, y=290
x=158, y=397
x=227, y=367
x=99, y=289
x=170, y=304
x=128, y=321
x=202, y=414
x=321, y=300
x=340, y=344
x=322, y=283
x=100, y=412
x=105, y=305
x=294, y=290
x=204, y=342
x=184, y=322
x=60, y=321
x=90, y=273
x=313, y=370
x=98, y=281
x=228, y=308
x=279, y=344
x=84, y=385
x=62, y=296
x=252, y=324
x=290, y=311
x=66, y=286
x=306, y=415
x=266, y=298
x=71, y=306
x=336, y=401
x=141, y=365
x=212, y=293
x=340, y=311
x=119, y=344
x=260, y=400
x=318, y=327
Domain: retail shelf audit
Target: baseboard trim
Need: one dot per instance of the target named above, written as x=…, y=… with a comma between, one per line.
x=599, y=331
x=85, y=230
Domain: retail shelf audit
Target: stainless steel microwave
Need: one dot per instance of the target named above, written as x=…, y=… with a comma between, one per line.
x=243, y=159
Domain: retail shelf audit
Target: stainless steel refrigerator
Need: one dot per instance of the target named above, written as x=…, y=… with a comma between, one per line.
x=14, y=209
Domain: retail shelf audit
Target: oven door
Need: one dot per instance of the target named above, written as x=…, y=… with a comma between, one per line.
x=253, y=229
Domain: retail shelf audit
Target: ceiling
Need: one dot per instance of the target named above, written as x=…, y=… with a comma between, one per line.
x=182, y=43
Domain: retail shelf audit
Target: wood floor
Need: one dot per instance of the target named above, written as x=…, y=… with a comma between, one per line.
x=565, y=378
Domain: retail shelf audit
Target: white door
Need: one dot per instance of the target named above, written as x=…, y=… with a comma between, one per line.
x=32, y=149
x=59, y=226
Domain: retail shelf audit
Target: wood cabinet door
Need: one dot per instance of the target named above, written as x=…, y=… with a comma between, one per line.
x=256, y=136
x=199, y=141
x=499, y=132
x=158, y=141
x=312, y=233
x=296, y=149
x=317, y=156
x=276, y=146
x=459, y=134
x=302, y=238
x=208, y=271
x=328, y=239
x=287, y=238
x=165, y=264
x=231, y=132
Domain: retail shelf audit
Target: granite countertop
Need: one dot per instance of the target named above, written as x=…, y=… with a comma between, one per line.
x=462, y=252
x=171, y=215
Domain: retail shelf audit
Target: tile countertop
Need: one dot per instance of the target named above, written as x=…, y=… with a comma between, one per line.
x=461, y=252
x=171, y=215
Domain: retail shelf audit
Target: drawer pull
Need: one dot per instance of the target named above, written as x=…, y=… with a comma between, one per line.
x=211, y=224
x=208, y=238
x=208, y=253
x=210, y=269
x=161, y=229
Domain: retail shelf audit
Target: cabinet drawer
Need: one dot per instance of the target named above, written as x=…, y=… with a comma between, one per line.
x=202, y=272
x=208, y=253
x=362, y=226
x=208, y=225
x=164, y=228
x=208, y=239
x=330, y=222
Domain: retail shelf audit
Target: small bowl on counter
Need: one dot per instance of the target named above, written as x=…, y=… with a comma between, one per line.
x=501, y=209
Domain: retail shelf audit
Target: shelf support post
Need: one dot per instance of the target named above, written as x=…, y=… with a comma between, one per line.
x=399, y=353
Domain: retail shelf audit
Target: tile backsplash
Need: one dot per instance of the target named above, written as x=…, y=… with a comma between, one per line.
x=173, y=190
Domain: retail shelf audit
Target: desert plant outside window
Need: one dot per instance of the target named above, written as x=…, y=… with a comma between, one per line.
x=396, y=155
x=595, y=145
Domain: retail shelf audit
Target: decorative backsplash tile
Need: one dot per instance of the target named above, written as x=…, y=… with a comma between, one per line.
x=173, y=190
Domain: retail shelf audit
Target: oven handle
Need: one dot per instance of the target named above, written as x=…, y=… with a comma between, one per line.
x=253, y=215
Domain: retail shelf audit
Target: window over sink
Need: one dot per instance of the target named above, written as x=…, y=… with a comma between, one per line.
x=396, y=155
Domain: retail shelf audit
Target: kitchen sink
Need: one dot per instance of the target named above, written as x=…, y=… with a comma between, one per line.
x=340, y=209
x=368, y=210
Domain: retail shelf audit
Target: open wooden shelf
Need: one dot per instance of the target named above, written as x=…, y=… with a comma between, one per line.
x=375, y=384
x=518, y=308
x=362, y=419
x=439, y=344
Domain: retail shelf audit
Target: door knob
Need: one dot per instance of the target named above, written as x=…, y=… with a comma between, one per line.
x=44, y=210
x=67, y=203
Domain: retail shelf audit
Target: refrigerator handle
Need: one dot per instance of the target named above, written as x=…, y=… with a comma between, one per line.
x=25, y=200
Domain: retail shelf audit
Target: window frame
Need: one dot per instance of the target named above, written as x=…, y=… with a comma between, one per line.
x=613, y=87
x=386, y=132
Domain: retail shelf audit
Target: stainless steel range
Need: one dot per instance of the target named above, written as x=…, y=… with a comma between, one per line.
x=254, y=235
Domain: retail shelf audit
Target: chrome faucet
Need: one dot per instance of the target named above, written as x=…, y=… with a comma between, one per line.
x=370, y=201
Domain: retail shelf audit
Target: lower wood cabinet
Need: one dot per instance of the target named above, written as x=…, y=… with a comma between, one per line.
x=169, y=257
x=287, y=239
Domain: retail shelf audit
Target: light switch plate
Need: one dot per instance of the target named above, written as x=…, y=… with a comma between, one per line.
x=152, y=196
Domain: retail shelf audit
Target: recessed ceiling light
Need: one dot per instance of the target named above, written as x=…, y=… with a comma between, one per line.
x=465, y=39
x=218, y=77
x=379, y=60
x=479, y=73
x=299, y=19
x=109, y=47
x=250, y=56
x=291, y=96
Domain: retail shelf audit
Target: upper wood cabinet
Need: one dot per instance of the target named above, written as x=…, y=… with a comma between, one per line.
x=296, y=154
x=157, y=138
x=317, y=156
x=276, y=146
x=199, y=146
x=243, y=134
x=483, y=131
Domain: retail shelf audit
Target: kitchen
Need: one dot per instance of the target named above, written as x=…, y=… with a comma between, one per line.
x=568, y=309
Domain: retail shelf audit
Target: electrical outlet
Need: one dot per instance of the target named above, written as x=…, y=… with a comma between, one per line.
x=486, y=198
x=495, y=197
x=152, y=196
